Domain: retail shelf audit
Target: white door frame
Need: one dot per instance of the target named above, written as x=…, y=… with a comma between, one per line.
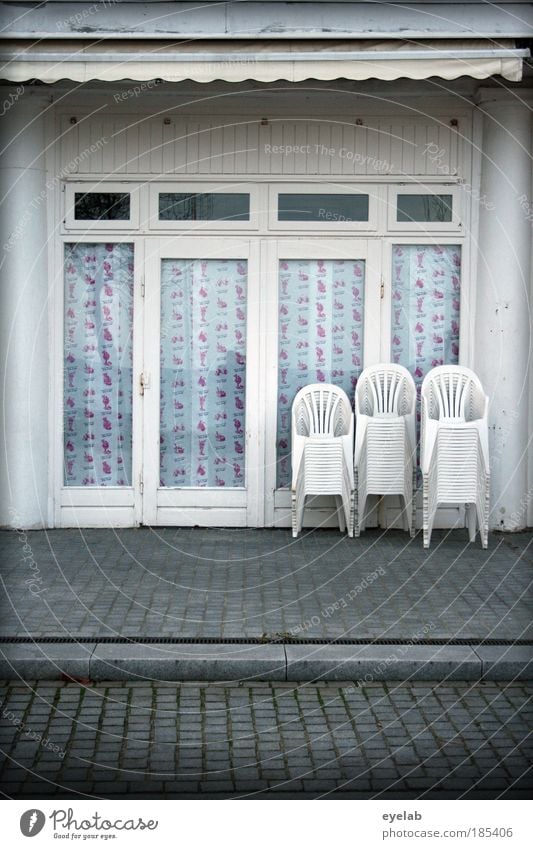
x=207, y=506
x=96, y=506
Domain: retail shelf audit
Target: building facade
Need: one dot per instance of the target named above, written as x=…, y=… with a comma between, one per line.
x=205, y=209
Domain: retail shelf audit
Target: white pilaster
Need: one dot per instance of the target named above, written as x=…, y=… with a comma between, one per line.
x=23, y=314
x=503, y=319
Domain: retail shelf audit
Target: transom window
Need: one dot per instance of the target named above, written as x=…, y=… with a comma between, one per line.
x=212, y=206
x=328, y=208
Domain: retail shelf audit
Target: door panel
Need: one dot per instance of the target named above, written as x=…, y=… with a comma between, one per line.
x=201, y=454
x=203, y=372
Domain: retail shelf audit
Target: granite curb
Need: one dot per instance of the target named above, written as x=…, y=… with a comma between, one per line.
x=271, y=662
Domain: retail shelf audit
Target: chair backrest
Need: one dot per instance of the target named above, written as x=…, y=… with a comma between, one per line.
x=321, y=409
x=385, y=390
x=453, y=393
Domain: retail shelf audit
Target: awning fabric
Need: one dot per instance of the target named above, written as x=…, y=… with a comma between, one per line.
x=293, y=61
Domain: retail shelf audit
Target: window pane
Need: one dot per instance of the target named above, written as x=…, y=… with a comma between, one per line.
x=203, y=372
x=101, y=206
x=177, y=206
x=98, y=364
x=320, y=335
x=328, y=208
x=426, y=283
x=428, y=208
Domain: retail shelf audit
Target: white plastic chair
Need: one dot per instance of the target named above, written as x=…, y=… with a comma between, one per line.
x=454, y=447
x=322, y=450
x=385, y=441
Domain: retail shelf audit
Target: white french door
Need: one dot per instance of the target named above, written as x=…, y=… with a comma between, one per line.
x=233, y=328
x=201, y=452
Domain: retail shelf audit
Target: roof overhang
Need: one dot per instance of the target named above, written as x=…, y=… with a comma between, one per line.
x=264, y=61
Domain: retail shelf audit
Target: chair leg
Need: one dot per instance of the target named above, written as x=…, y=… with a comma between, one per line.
x=425, y=513
x=356, y=529
x=340, y=513
x=294, y=515
x=413, y=504
x=361, y=515
x=471, y=521
x=300, y=513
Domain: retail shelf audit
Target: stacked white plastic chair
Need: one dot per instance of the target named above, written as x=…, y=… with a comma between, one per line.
x=385, y=441
x=454, y=447
x=322, y=451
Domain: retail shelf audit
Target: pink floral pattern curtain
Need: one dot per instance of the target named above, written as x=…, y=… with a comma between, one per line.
x=320, y=336
x=98, y=358
x=426, y=283
x=203, y=372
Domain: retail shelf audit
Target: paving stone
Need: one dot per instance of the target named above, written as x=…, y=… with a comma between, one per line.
x=280, y=584
x=374, y=764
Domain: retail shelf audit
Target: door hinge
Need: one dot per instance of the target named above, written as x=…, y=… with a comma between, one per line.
x=142, y=287
x=143, y=382
x=141, y=483
x=382, y=289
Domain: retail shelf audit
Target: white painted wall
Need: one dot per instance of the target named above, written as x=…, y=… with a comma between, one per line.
x=23, y=315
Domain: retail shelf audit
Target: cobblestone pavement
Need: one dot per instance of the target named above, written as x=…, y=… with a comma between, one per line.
x=119, y=740
x=238, y=583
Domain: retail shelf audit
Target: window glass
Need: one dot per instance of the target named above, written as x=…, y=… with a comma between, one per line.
x=329, y=208
x=424, y=207
x=426, y=291
x=102, y=206
x=320, y=335
x=219, y=206
x=203, y=372
x=98, y=361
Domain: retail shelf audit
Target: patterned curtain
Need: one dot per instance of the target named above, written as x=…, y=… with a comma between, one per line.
x=203, y=371
x=320, y=336
x=426, y=282
x=98, y=364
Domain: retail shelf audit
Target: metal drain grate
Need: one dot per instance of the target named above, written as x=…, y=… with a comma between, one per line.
x=270, y=639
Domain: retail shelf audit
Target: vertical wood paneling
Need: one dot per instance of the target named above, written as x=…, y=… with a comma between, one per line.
x=192, y=145
x=288, y=160
x=119, y=147
x=360, y=162
x=216, y=148
x=301, y=160
x=227, y=160
x=276, y=139
x=204, y=149
x=145, y=153
x=385, y=146
x=132, y=149
x=109, y=156
x=69, y=147
x=169, y=147
x=312, y=142
x=325, y=144
x=334, y=147
x=336, y=143
x=420, y=146
x=156, y=153
x=96, y=158
x=455, y=146
x=432, y=138
x=255, y=138
x=347, y=151
x=239, y=164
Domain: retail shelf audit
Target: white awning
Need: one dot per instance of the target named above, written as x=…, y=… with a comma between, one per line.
x=293, y=61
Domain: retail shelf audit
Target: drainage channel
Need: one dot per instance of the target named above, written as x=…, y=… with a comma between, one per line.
x=274, y=639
